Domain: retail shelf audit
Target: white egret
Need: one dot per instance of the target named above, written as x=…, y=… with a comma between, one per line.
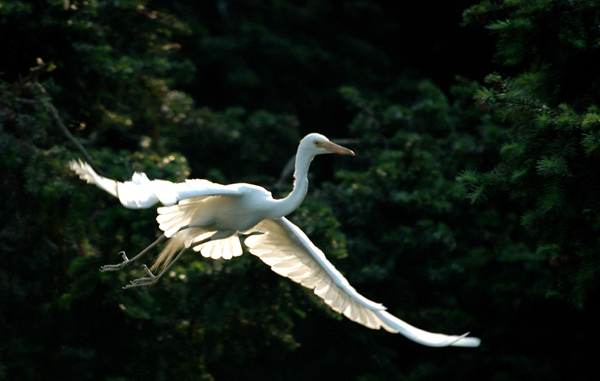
x=210, y=218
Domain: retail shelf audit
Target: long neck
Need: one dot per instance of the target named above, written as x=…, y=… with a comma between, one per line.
x=296, y=196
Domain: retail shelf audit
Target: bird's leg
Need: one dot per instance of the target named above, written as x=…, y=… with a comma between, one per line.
x=126, y=261
x=151, y=278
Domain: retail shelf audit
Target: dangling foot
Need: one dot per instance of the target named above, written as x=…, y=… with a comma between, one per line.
x=126, y=262
x=147, y=281
x=151, y=279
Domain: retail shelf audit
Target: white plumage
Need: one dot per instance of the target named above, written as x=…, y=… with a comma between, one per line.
x=210, y=218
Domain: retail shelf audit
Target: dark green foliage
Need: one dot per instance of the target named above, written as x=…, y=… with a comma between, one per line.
x=432, y=253
x=218, y=90
x=292, y=56
x=550, y=104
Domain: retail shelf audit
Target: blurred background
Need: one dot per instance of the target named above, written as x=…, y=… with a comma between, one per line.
x=472, y=203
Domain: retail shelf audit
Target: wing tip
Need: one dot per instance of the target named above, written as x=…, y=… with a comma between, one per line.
x=465, y=340
x=83, y=170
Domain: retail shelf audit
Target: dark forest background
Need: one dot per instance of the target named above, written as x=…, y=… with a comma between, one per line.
x=473, y=203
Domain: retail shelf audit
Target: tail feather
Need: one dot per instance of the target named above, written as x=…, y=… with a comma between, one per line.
x=225, y=248
x=182, y=239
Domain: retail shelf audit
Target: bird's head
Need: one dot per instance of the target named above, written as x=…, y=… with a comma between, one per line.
x=317, y=144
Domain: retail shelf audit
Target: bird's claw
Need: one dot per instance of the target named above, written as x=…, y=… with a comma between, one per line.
x=118, y=267
x=142, y=282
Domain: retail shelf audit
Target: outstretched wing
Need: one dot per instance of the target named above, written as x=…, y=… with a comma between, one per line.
x=141, y=192
x=289, y=252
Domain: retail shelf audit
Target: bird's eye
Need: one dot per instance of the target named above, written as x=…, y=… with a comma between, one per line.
x=316, y=143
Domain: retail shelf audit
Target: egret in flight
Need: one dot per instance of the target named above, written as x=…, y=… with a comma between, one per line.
x=210, y=218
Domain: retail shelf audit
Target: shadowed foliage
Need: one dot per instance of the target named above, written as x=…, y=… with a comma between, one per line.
x=471, y=204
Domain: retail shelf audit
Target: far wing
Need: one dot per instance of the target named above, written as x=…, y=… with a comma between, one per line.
x=141, y=192
x=289, y=252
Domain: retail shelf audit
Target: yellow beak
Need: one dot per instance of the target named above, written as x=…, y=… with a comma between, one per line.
x=336, y=148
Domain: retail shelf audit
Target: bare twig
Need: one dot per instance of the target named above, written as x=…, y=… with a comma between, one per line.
x=47, y=101
x=286, y=173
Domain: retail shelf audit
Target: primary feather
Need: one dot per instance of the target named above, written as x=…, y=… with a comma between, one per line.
x=290, y=253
